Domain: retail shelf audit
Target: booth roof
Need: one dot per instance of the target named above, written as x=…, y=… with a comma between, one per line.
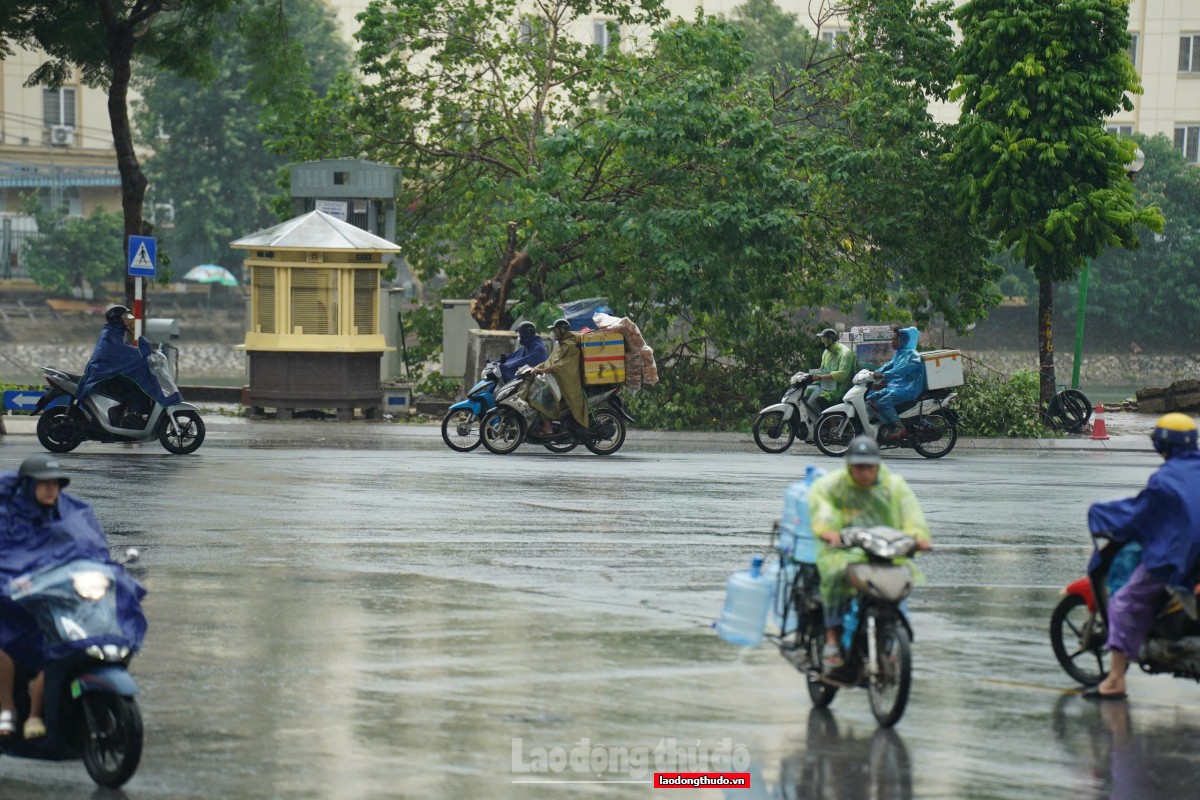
x=315, y=230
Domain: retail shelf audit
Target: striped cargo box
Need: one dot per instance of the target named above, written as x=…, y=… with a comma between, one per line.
x=603, y=357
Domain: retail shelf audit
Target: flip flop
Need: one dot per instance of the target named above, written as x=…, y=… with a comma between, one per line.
x=1095, y=694
x=8, y=724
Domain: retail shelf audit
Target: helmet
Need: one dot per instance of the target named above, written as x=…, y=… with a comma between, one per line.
x=560, y=325
x=829, y=334
x=863, y=450
x=526, y=330
x=1173, y=433
x=115, y=313
x=43, y=468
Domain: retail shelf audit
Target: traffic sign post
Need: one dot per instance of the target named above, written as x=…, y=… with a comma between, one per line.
x=143, y=261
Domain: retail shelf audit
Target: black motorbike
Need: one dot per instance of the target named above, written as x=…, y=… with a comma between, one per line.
x=1079, y=626
x=879, y=656
x=90, y=707
x=514, y=421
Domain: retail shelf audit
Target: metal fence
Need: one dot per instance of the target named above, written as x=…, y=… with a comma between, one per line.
x=13, y=243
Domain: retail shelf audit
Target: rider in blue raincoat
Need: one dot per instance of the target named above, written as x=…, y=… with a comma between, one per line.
x=530, y=353
x=122, y=366
x=41, y=527
x=905, y=376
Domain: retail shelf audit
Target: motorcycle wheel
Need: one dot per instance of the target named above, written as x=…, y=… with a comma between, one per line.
x=939, y=439
x=606, y=447
x=833, y=434
x=773, y=433
x=1070, y=620
x=57, y=431
x=502, y=430
x=561, y=447
x=460, y=430
x=1069, y=411
x=112, y=746
x=820, y=693
x=888, y=687
x=190, y=436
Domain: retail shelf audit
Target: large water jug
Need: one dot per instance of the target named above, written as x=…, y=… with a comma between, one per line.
x=747, y=601
x=795, y=529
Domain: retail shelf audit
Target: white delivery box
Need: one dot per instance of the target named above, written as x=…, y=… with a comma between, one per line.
x=943, y=368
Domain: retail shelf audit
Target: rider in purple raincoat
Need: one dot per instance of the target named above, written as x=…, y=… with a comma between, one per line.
x=122, y=366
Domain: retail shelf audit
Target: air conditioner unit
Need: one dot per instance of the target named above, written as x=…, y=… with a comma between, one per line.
x=62, y=135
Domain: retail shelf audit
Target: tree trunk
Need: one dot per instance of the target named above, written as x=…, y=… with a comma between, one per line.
x=489, y=302
x=133, y=180
x=1047, y=385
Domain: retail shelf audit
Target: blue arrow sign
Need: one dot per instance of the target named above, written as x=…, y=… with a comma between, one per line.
x=142, y=256
x=20, y=399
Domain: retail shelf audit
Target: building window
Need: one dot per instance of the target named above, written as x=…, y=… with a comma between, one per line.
x=1120, y=130
x=1187, y=139
x=602, y=34
x=835, y=37
x=58, y=107
x=1189, y=53
x=1134, y=40
x=366, y=300
x=264, y=298
x=341, y=178
x=314, y=301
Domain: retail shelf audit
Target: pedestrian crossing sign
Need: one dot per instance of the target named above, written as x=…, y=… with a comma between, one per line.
x=142, y=256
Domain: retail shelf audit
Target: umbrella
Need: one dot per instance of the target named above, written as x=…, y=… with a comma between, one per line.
x=211, y=273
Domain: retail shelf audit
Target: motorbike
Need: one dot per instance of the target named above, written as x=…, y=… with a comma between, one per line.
x=876, y=639
x=100, y=418
x=778, y=425
x=1079, y=626
x=460, y=426
x=932, y=426
x=91, y=710
x=514, y=420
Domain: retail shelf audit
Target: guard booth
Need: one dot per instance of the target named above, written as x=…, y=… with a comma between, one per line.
x=314, y=339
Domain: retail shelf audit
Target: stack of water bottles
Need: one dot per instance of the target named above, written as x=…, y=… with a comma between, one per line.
x=751, y=594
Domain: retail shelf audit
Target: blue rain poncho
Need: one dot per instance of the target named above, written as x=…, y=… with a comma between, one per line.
x=905, y=372
x=529, y=354
x=1164, y=519
x=33, y=538
x=113, y=356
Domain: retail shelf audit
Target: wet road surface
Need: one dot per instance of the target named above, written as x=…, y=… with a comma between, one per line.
x=357, y=617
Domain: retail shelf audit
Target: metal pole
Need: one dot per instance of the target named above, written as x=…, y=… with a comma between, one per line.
x=1083, y=288
x=403, y=349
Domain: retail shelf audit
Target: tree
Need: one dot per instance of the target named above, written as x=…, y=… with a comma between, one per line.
x=71, y=251
x=1151, y=293
x=208, y=147
x=100, y=39
x=1036, y=81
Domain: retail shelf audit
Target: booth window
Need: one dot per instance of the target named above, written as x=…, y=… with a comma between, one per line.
x=264, y=299
x=366, y=285
x=314, y=301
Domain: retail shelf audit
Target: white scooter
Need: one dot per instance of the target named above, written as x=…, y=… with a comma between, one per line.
x=931, y=425
x=778, y=425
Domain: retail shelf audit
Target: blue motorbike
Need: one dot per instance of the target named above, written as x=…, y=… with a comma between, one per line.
x=90, y=706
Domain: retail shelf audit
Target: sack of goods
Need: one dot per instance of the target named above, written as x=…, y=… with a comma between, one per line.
x=639, y=366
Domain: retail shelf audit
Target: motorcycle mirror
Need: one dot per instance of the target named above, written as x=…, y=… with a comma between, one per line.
x=131, y=555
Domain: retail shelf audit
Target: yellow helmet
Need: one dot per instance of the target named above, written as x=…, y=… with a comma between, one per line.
x=1174, y=432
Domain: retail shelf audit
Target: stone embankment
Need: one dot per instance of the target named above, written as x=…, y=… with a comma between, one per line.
x=197, y=362
x=1102, y=369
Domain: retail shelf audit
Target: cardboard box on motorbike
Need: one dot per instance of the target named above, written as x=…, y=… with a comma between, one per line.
x=603, y=357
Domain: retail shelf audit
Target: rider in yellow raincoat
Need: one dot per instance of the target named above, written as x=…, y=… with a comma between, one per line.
x=565, y=365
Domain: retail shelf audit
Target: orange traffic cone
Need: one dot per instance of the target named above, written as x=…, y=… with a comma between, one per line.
x=1099, y=429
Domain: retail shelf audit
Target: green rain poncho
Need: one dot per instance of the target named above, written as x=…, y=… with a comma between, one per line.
x=566, y=364
x=835, y=502
x=840, y=363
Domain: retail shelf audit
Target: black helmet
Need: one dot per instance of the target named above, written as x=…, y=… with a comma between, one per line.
x=863, y=450
x=828, y=334
x=560, y=325
x=43, y=468
x=115, y=313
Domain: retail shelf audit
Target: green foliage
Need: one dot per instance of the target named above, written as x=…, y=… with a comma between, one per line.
x=209, y=155
x=71, y=250
x=993, y=406
x=425, y=323
x=437, y=385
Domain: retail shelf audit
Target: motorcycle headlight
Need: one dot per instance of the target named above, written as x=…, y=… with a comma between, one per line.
x=90, y=585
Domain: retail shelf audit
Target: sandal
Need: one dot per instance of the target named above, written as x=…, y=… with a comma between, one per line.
x=7, y=723
x=831, y=656
x=34, y=728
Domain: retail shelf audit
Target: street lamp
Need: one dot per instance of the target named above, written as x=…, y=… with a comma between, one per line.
x=1132, y=168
